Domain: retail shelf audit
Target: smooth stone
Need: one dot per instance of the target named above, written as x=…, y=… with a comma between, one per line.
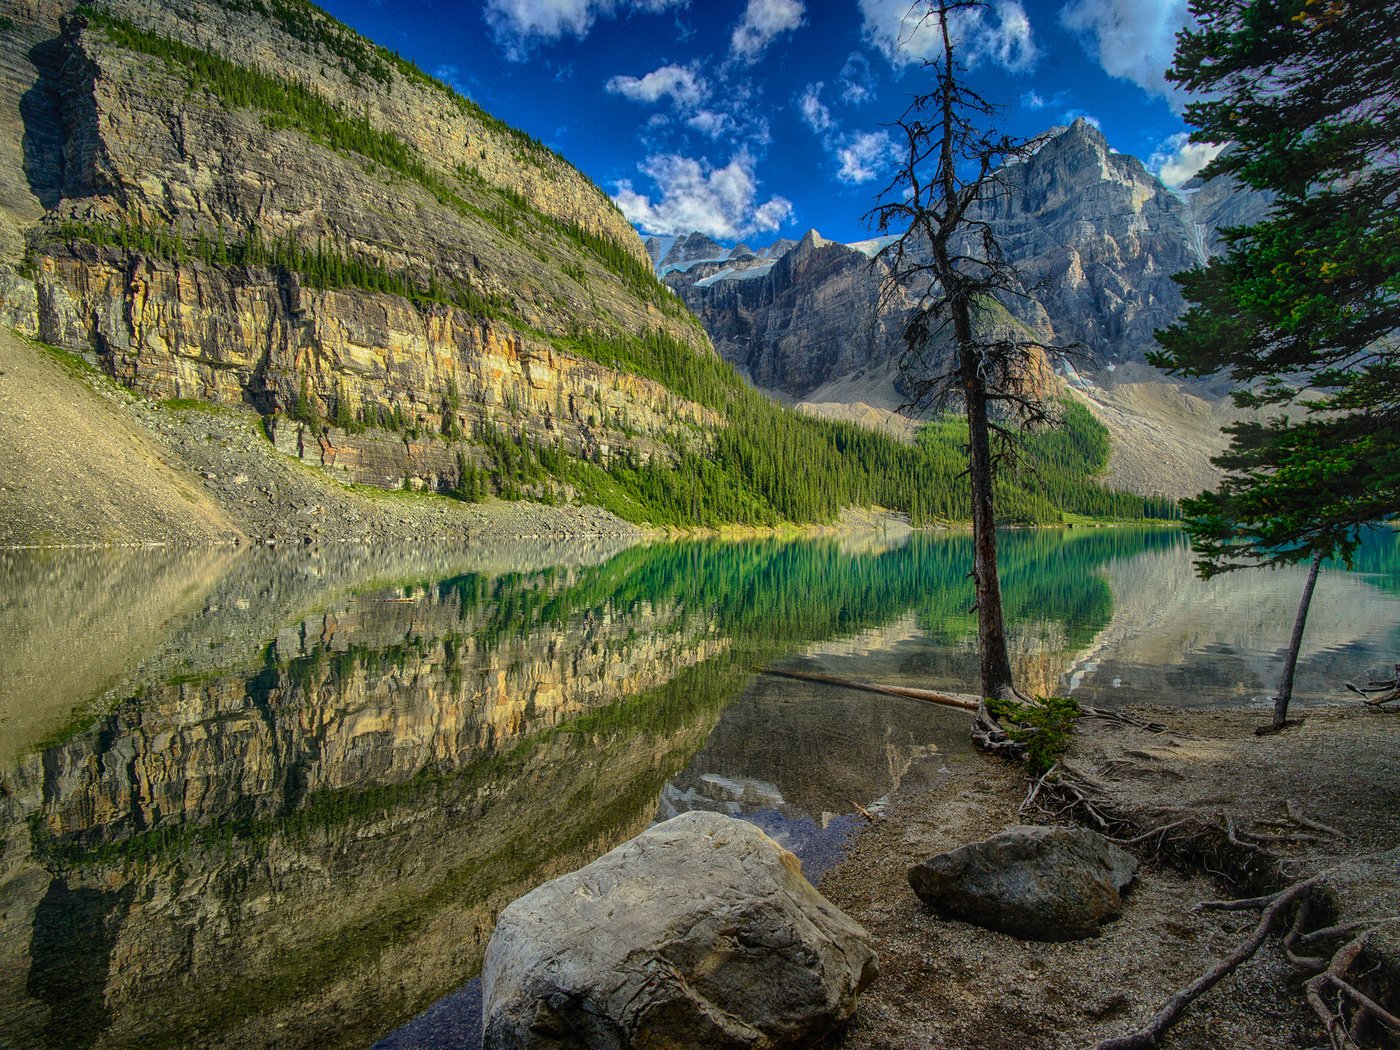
x=1036, y=883
x=701, y=931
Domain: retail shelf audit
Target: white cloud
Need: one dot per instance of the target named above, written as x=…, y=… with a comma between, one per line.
x=684, y=86
x=720, y=202
x=520, y=24
x=1132, y=39
x=857, y=83
x=710, y=123
x=1033, y=100
x=763, y=21
x=1000, y=33
x=814, y=110
x=1071, y=115
x=1178, y=158
x=864, y=156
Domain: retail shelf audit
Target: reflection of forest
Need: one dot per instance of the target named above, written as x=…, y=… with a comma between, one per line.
x=317, y=783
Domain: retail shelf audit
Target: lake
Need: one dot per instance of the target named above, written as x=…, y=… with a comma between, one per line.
x=278, y=797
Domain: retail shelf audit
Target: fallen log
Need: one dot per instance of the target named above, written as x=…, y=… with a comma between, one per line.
x=964, y=701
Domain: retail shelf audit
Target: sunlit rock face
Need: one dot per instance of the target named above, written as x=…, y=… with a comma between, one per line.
x=118, y=136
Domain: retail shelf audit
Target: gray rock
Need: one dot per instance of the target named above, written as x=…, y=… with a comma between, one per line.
x=701, y=931
x=1096, y=236
x=1037, y=883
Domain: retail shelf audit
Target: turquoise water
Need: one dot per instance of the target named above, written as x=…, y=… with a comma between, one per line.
x=253, y=797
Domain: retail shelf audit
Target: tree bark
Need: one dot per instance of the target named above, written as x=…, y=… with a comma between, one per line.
x=991, y=630
x=1290, y=663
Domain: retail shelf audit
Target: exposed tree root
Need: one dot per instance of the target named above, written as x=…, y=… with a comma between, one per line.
x=1353, y=1020
x=1352, y=965
x=1187, y=840
x=1151, y=1034
x=990, y=735
x=1387, y=692
x=1331, y=991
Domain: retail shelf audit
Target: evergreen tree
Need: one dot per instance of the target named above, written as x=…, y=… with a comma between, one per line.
x=1303, y=309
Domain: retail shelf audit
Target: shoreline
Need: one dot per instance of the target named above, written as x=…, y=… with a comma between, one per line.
x=89, y=464
x=952, y=985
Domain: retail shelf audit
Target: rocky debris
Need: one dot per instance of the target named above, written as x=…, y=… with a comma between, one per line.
x=699, y=932
x=197, y=474
x=955, y=986
x=1036, y=883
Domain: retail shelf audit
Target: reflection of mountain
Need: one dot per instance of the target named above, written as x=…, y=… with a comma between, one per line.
x=294, y=821
x=315, y=840
x=117, y=614
x=130, y=620
x=322, y=925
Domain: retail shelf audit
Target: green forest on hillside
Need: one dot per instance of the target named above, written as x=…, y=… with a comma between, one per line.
x=765, y=465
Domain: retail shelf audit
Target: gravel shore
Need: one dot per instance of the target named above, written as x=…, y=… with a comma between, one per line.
x=950, y=985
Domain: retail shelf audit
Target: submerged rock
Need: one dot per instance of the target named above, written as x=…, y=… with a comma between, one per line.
x=701, y=931
x=1037, y=883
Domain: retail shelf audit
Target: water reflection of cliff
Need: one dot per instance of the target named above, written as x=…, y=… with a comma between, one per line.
x=299, y=841
x=294, y=816
x=315, y=778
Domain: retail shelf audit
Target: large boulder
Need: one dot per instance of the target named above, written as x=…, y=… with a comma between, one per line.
x=1037, y=883
x=699, y=932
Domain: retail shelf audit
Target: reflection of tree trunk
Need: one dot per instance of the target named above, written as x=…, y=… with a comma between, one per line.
x=1290, y=664
x=991, y=631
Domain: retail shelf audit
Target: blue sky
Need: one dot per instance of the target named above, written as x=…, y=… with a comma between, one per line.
x=755, y=119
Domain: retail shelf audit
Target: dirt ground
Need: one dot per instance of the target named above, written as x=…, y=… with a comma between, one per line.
x=950, y=985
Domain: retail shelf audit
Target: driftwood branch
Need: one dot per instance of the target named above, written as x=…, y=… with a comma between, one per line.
x=1151, y=1034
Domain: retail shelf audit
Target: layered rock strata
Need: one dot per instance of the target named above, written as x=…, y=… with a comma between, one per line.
x=376, y=252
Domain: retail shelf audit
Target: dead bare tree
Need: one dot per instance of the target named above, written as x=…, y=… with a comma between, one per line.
x=947, y=257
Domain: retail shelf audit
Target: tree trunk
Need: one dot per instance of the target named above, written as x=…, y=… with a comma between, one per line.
x=1290, y=663
x=991, y=631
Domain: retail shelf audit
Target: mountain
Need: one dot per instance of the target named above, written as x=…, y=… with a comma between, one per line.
x=1097, y=238
x=273, y=240
x=367, y=259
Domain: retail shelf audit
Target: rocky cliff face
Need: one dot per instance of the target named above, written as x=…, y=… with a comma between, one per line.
x=355, y=244
x=797, y=322
x=1096, y=235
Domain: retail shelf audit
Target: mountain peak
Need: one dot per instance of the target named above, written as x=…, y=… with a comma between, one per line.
x=1081, y=134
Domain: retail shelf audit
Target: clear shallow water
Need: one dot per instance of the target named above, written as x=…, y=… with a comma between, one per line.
x=263, y=798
